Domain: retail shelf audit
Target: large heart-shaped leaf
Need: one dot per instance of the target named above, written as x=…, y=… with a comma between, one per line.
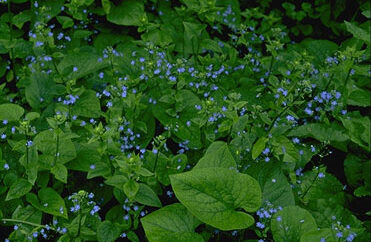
x=213, y=195
x=171, y=223
x=217, y=155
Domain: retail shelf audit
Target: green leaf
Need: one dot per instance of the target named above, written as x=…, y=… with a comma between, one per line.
x=20, y=19
x=283, y=146
x=49, y=201
x=100, y=169
x=60, y=172
x=86, y=61
x=147, y=196
x=11, y=112
x=28, y=213
x=46, y=142
x=214, y=194
x=192, y=37
x=107, y=232
x=41, y=89
x=358, y=32
x=128, y=13
x=87, y=105
x=318, y=235
x=319, y=49
x=18, y=189
x=217, y=155
x=106, y=4
x=359, y=97
x=117, y=181
x=171, y=223
x=321, y=132
x=131, y=188
x=291, y=223
x=258, y=147
x=276, y=188
x=65, y=21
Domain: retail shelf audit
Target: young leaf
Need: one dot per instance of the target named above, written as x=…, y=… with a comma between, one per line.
x=147, y=196
x=60, y=172
x=214, y=194
x=171, y=223
x=131, y=188
x=258, y=147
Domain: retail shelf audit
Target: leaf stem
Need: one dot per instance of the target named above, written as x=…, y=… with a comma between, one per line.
x=26, y=222
x=56, y=151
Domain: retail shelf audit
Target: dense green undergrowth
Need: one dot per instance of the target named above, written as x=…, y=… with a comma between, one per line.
x=194, y=120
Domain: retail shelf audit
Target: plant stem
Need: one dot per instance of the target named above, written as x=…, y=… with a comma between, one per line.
x=56, y=152
x=25, y=222
x=154, y=169
x=79, y=227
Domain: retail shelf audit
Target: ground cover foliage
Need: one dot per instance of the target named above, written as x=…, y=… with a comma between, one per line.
x=190, y=120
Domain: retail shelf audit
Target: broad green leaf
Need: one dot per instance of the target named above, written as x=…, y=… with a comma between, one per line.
x=98, y=169
x=217, y=155
x=276, y=189
x=86, y=61
x=117, y=181
x=131, y=188
x=357, y=32
x=321, y=132
x=171, y=223
x=359, y=97
x=60, y=172
x=87, y=155
x=40, y=90
x=358, y=128
x=147, y=196
x=11, y=112
x=192, y=37
x=319, y=49
x=214, y=194
x=48, y=201
x=314, y=187
x=46, y=142
x=18, y=189
x=20, y=19
x=285, y=148
x=128, y=13
x=324, y=211
x=87, y=105
x=258, y=147
x=107, y=232
x=318, y=235
x=28, y=213
x=291, y=223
